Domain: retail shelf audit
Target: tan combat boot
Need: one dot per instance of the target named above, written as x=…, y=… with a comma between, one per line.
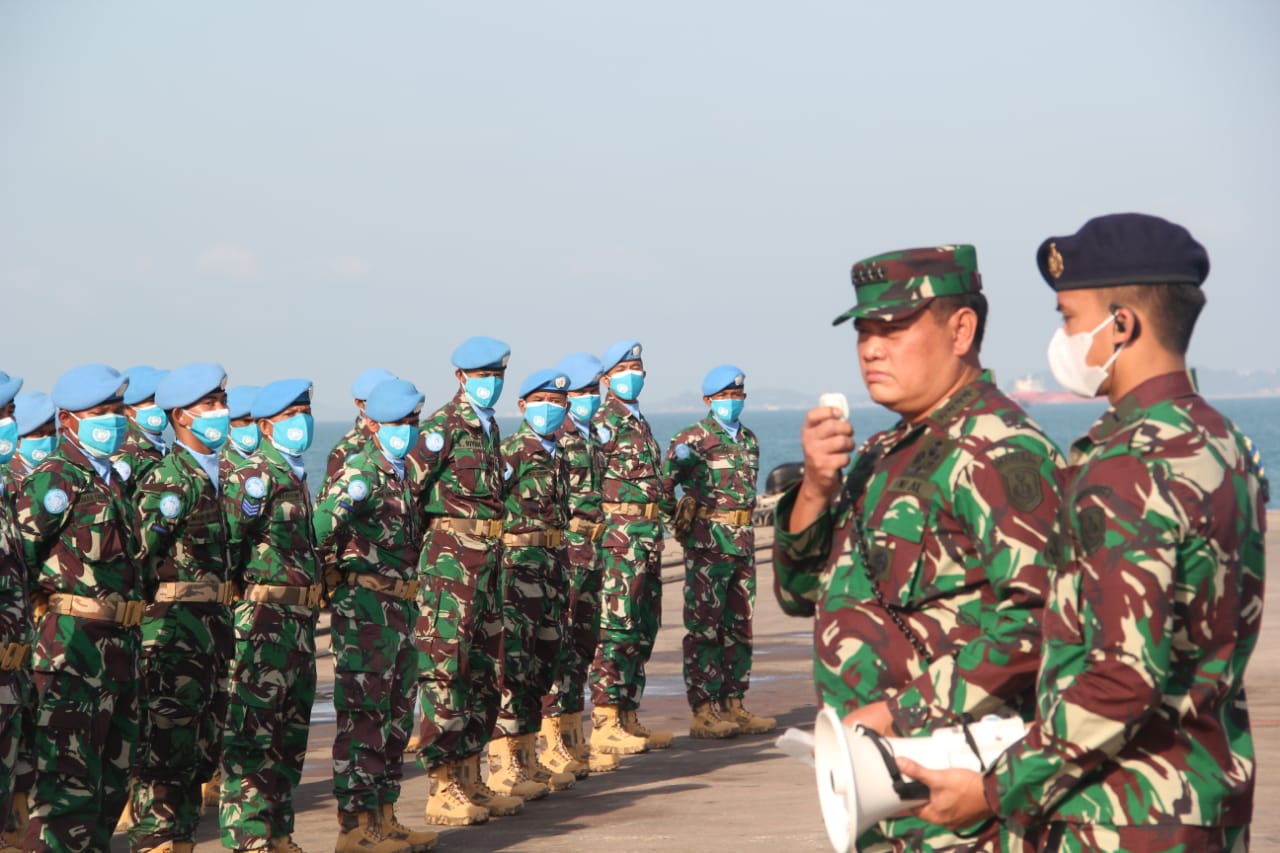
x=539, y=772
x=359, y=833
x=608, y=735
x=19, y=816
x=211, y=791
x=481, y=794
x=556, y=755
x=733, y=710
x=707, y=723
x=654, y=740
x=571, y=732
x=448, y=804
x=285, y=844
x=508, y=774
x=391, y=827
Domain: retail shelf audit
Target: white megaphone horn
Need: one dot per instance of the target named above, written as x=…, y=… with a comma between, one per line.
x=859, y=783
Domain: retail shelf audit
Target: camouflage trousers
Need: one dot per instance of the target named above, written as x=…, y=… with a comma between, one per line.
x=14, y=687
x=272, y=689
x=1063, y=837
x=184, y=677
x=375, y=676
x=719, y=602
x=86, y=738
x=582, y=628
x=459, y=641
x=630, y=615
x=533, y=633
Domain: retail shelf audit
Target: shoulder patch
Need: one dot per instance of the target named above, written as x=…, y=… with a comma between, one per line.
x=124, y=469
x=255, y=488
x=358, y=489
x=434, y=442
x=603, y=433
x=56, y=501
x=682, y=451
x=1021, y=474
x=170, y=505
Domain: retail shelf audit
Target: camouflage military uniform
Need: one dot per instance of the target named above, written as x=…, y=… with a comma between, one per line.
x=534, y=579
x=1142, y=740
x=719, y=472
x=186, y=643
x=458, y=476
x=631, y=592
x=273, y=667
x=78, y=540
x=15, y=650
x=352, y=440
x=937, y=610
x=368, y=538
x=136, y=458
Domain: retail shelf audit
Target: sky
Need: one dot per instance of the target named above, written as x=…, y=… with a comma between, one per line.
x=310, y=189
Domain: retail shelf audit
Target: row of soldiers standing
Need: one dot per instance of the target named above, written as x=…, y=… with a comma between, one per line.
x=174, y=594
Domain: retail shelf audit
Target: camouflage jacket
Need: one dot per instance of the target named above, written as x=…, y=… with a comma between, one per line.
x=366, y=521
x=269, y=528
x=955, y=512
x=457, y=468
x=135, y=459
x=352, y=440
x=632, y=472
x=585, y=463
x=15, y=605
x=1154, y=611
x=537, y=490
x=719, y=472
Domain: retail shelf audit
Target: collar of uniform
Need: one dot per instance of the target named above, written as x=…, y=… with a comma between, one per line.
x=276, y=459
x=206, y=462
x=1130, y=407
x=959, y=403
x=621, y=408
x=467, y=411
x=530, y=437
x=76, y=455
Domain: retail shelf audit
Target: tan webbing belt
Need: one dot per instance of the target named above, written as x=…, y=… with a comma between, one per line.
x=403, y=590
x=294, y=596
x=737, y=517
x=195, y=592
x=14, y=655
x=536, y=539
x=593, y=530
x=126, y=613
x=486, y=528
x=647, y=511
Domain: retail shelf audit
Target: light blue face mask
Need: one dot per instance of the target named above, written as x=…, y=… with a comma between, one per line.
x=397, y=439
x=35, y=450
x=102, y=435
x=727, y=410
x=8, y=439
x=484, y=391
x=544, y=417
x=246, y=437
x=211, y=428
x=584, y=407
x=293, y=435
x=627, y=384
x=151, y=418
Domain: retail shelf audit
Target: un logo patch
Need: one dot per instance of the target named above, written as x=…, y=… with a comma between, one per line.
x=170, y=505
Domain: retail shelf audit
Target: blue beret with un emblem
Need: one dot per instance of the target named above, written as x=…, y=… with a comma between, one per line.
x=582, y=368
x=393, y=400
x=278, y=396
x=143, y=381
x=367, y=381
x=481, y=353
x=87, y=386
x=544, y=380
x=240, y=400
x=187, y=384
x=32, y=410
x=722, y=377
x=9, y=387
x=621, y=351
x=1120, y=249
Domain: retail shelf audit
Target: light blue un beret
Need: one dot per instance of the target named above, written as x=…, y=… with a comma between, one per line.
x=87, y=386
x=32, y=410
x=367, y=381
x=722, y=377
x=240, y=400
x=280, y=395
x=481, y=353
x=143, y=381
x=621, y=351
x=544, y=380
x=582, y=368
x=393, y=400
x=9, y=387
x=184, y=385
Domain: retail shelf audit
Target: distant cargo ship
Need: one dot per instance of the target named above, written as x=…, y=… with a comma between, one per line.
x=1029, y=390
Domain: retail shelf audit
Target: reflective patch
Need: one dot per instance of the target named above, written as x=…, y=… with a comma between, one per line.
x=358, y=489
x=170, y=505
x=434, y=442
x=683, y=451
x=255, y=488
x=123, y=469
x=56, y=501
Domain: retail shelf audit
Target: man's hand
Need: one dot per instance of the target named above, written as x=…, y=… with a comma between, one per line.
x=827, y=441
x=875, y=717
x=956, y=797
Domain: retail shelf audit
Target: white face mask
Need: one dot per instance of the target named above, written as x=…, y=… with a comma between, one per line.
x=1067, y=355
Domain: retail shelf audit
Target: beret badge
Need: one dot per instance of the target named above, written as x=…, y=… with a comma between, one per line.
x=1055, y=261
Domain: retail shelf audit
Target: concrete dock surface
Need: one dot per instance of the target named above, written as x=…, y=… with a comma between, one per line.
x=736, y=795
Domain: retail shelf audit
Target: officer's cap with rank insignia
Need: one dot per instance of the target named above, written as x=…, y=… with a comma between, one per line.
x=367, y=381
x=9, y=388
x=583, y=370
x=187, y=384
x=896, y=285
x=1120, y=249
x=32, y=410
x=481, y=353
x=544, y=380
x=280, y=395
x=621, y=351
x=143, y=381
x=393, y=400
x=87, y=386
x=240, y=400
x=723, y=377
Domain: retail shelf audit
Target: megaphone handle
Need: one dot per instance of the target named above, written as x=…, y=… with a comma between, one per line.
x=905, y=790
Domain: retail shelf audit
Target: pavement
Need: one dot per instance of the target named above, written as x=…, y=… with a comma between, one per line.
x=738, y=795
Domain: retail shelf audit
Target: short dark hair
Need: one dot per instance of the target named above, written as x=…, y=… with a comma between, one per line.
x=944, y=306
x=1170, y=309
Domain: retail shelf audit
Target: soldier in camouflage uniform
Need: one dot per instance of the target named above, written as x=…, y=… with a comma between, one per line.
x=716, y=462
x=15, y=613
x=1141, y=740
x=458, y=479
x=273, y=667
x=631, y=596
x=245, y=437
x=78, y=543
x=362, y=430
x=533, y=589
x=368, y=540
x=923, y=564
x=144, y=444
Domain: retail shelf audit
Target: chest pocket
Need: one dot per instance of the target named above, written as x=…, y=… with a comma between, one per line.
x=99, y=530
x=894, y=536
x=291, y=519
x=633, y=462
x=475, y=476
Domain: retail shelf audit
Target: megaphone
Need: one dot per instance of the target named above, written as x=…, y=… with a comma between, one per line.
x=859, y=783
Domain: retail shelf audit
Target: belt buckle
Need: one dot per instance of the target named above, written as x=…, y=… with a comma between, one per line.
x=597, y=531
x=313, y=595
x=495, y=528
x=409, y=590
x=554, y=538
x=130, y=613
x=650, y=511
x=742, y=517
x=224, y=594
x=9, y=657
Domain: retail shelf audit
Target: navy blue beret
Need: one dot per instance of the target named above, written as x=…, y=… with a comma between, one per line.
x=240, y=400
x=393, y=400
x=9, y=387
x=621, y=351
x=1120, y=249
x=544, y=380
x=143, y=381
x=184, y=385
x=280, y=395
x=367, y=381
x=32, y=410
x=583, y=370
x=481, y=353
x=722, y=377
x=87, y=386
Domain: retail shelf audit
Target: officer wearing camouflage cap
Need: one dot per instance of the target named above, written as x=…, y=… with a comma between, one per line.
x=921, y=562
x=15, y=612
x=1141, y=740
